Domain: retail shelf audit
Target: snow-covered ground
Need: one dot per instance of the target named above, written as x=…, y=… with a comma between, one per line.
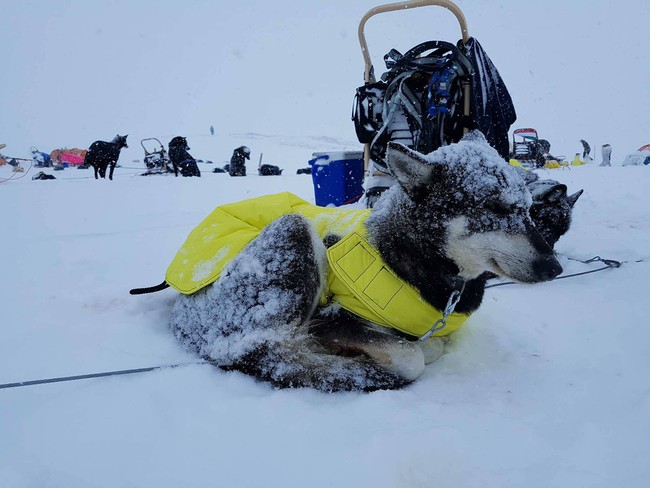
x=545, y=386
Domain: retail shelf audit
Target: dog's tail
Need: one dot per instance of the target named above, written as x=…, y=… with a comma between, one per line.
x=149, y=289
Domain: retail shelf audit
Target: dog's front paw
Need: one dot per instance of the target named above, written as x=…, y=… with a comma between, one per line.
x=432, y=348
x=401, y=357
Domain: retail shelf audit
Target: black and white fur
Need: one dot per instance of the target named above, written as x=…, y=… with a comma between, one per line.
x=181, y=158
x=269, y=170
x=101, y=154
x=551, y=209
x=456, y=214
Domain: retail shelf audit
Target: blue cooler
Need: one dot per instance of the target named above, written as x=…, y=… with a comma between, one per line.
x=337, y=177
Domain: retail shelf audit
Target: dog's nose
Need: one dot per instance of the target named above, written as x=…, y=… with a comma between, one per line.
x=547, y=268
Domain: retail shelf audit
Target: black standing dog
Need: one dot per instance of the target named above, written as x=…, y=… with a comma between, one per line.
x=102, y=153
x=181, y=159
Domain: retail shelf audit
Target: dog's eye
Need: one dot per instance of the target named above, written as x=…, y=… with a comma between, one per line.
x=495, y=206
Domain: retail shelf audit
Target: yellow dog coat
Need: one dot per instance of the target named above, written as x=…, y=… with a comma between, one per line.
x=357, y=278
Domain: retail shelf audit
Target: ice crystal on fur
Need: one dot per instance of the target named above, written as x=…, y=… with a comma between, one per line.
x=467, y=177
x=479, y=171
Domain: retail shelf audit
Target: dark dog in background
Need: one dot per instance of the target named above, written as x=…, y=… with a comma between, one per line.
x=102, y=153
x=181, y=158
x=269, y=170
x=552, y=206
x=237, y=166
x=551, y=209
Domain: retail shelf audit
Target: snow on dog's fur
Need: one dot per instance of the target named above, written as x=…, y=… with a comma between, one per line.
x=456, y=214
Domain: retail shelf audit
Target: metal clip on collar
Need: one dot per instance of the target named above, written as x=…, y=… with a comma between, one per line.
x=441, y=323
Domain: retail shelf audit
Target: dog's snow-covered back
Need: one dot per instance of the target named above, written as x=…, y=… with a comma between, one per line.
x=457, y=214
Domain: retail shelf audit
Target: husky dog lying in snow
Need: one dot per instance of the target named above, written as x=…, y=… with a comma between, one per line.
x=337, y=299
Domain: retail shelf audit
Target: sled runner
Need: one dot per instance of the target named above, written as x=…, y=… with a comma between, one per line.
x=429, y=97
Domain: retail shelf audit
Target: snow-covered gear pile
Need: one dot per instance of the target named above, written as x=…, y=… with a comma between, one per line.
x=419, y=101
x=43, y=176
x=41, y=159
x=73, y=156
x=429, y=97
x=641, y=157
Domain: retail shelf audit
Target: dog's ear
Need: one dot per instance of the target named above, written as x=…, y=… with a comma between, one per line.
x=574, y=198
x=474, y=136
x=412, y=171
x=555, y=194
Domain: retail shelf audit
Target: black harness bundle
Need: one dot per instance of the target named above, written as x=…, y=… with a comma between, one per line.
x=420, y=100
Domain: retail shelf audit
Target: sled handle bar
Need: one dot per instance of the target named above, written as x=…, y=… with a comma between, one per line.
x=369, y=72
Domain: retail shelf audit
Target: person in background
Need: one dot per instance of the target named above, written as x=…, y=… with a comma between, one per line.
x=237, y=165
x=607, y=155
x=586, y=149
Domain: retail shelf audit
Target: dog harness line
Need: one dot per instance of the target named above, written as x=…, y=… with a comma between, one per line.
x=357, y=279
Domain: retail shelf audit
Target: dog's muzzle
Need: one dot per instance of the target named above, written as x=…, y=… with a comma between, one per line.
x=547, y=268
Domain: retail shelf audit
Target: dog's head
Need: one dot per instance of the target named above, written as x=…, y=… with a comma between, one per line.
x=179, y=142
x=244, y=151
x=120, y=141
x=551, y=209
x=482, y=207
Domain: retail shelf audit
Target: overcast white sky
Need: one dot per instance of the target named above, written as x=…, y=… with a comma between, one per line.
x=76, y=71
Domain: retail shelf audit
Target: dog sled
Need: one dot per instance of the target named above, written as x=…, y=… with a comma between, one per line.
x=531, y=152
x=525, y=148
x=155, y=157
x=429, y=97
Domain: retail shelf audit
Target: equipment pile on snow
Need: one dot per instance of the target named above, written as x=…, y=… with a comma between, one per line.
x=429, y=97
